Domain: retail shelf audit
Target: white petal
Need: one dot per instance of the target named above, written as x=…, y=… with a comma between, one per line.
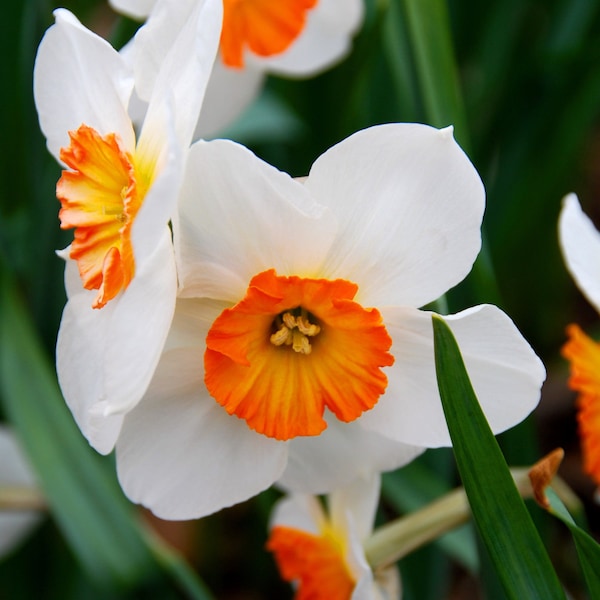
x=175, y=52
x=580, y=244
x=357, y=561
x=79, y=78
x=325, y=40
x=240, y=216
x=181, y=455
x=228, y=93
x=505, y=372
x=409, y=204
x=136, y=9
x=105, y=357
x=160, y=201
x=354, y=555
x=191, y=322
x=299, y=511
x=14, y=471
x=359, y=499
x=342, y=453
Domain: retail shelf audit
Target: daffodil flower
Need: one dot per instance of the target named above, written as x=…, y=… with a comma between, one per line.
x=118, y=192
x=321, y=551
x=296, y=38
x=297, y=352
x=580, y=244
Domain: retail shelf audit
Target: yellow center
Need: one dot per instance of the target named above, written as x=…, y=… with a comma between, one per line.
x=265, y=27
x=293, y=347
x=100, y=197
x=294, y=329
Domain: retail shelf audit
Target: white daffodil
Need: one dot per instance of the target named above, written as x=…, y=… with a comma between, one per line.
x=15, y=473
x=297, y=351
x=580, y=244
x=118, y=192
x=321, y=551
x=295, y=38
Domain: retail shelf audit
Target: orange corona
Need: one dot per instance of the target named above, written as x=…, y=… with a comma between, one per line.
x=316, y=562
x=584, y=355
x=292, y=347
x=264, y=27
x=100, y=198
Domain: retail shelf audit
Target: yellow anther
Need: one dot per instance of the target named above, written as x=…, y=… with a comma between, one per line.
x=282, y=336
x=289, y=319
x=306, y=327
x=294, y=331
x=300, y=342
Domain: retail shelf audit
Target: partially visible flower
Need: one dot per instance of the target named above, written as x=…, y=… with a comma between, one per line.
x=15, y=472
x=321, y=551
x=580, y=244
x=297, y=352
x=296, y=38
x=118, y=192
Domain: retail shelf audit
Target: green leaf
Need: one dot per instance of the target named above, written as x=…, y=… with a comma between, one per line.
x=429, y=29
x=83, y=498
x=588, y=549
x=503, y=522
x=79, y=485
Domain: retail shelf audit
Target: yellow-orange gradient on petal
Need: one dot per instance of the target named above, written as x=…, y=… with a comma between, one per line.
x=315, y=562
x=583, y=354
x=99, y=198
x=292, y=347
x=265, y=27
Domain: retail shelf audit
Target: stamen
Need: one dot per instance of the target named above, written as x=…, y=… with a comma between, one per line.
x=294, y=330
x=282, y=336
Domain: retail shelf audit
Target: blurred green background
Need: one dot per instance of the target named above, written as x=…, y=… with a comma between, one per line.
x=519, y=80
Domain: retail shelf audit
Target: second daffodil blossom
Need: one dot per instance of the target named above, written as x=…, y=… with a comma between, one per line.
x=580, y=244
x=297, y=38
x=321, y=551
x=298, y=353
x=118, y=192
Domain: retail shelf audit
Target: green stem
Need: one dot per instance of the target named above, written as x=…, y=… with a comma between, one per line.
x=21, y=497
x=394, y=540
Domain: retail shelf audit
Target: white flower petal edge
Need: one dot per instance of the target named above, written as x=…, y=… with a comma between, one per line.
x=182, y=455
x=360, y=499
x=419, y=234
x=343, y=452
x=14, y=471
x=79, y=78
x=93, y=346
x=505, y=372
x=158, y=54
x=580, y=245
x=236, y=214
x=325, y=40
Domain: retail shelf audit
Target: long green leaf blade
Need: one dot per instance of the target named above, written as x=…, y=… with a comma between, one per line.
x=82, y=496
x=503, y=522
x=588, y=549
